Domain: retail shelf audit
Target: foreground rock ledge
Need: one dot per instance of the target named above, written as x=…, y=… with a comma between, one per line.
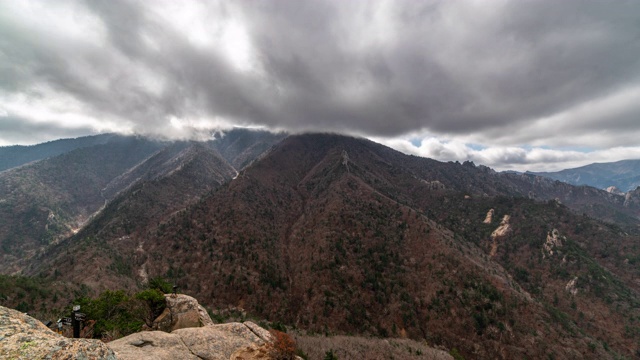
x=210, y=342
x=23, y=337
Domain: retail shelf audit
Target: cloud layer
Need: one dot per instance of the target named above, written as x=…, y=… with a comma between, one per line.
x=514, y=77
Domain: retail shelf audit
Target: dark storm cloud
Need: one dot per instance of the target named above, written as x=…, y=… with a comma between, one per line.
x=502, y=73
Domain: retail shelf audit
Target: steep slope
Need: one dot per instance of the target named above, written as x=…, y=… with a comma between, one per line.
x=108, y=242
x=12, y=156
x=241, y=146
x=42, y=202
x=331, y=233
x=172, y=185
x=625, y=175
x=335, y=234
x=161, y=163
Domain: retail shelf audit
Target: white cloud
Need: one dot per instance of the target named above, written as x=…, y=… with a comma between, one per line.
x=508, y=157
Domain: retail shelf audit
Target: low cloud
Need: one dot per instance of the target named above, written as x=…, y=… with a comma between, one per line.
x=509, y=158
x=519, y=78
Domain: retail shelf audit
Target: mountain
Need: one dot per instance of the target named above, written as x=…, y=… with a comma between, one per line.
x=12, y=156
x=624, y=175
x=341, y=235
x=46, y=201
x=241, y=146
x=43, y=202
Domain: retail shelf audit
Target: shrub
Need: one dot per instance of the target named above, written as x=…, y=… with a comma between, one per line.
x=160, y=284
x=456, y=354
x=154, y=304
x=282, y=347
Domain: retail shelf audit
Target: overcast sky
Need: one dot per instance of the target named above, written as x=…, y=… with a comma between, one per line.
x=525, y=85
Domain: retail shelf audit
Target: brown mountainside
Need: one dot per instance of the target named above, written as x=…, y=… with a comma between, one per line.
x=42, y=202
x=110, y=240
x=336, y=234
x=47, y=201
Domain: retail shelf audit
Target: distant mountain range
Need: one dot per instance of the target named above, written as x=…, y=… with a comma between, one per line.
x=44, y=201
x=334, y=234
x=624, y=175
x=12, y=156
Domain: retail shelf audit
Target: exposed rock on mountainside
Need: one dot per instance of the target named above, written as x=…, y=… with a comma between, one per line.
x=571, y=286
x=594, y=202
x=489, y=218
x=632, y=198
x=498, y=233
x=553, y=242
x=23, y=337
x=614, y=190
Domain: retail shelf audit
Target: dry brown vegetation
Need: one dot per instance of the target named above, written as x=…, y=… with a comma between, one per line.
x=374, y=248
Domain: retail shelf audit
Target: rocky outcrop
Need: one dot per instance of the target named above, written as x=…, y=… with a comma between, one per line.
x=500, y=232
x=23, y=337
x=632, y=198
x=489, y=217
x=614, y=190
x=552, y=243
x=434, y=185
x=182, y=311
x=571, y=286
x=210, y=342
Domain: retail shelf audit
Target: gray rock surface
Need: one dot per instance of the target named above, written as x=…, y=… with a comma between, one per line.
x=23, y=337
x=182, y=311
x=151, y=345
x=213, y=342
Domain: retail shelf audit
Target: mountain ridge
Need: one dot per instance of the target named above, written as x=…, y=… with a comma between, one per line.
x=332, y=233
x=624, y=174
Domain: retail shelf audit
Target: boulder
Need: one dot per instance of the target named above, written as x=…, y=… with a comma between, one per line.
x=218, y=342
x=182, y=311
x=23, y=337
x=212, y=342
x=151, y=345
